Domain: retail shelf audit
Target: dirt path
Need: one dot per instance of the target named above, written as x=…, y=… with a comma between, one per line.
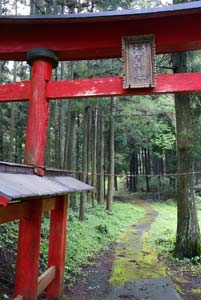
x=128, y=270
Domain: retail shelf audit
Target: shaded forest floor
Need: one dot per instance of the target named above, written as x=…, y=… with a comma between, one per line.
x=121, y=272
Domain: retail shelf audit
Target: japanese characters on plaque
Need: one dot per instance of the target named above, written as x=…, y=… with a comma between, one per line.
x=139, y=62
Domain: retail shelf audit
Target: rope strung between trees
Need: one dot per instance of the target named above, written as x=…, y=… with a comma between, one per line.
x=129, y=175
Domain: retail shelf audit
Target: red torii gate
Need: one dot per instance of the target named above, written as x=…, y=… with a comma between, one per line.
x=75, y=37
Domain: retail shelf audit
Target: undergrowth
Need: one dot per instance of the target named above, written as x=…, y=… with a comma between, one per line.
x=84, y=239
x=162, y=235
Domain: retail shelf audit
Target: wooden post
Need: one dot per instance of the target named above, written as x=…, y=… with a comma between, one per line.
x=42, y=61
x=26, y=283
x=57, y=247
x=28, y=252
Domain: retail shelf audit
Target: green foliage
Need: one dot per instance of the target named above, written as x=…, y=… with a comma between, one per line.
x=163, y=236
x=9, y=236
x=162, y=233
x=85, y=239
x=165, y=138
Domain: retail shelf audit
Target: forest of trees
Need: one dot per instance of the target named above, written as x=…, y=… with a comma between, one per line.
x=116, y=142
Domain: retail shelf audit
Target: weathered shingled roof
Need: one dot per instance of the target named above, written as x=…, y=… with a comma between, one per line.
x=18, y=182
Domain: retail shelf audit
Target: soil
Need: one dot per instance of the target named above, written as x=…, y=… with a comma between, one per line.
x=93, y=284
x=186, y=282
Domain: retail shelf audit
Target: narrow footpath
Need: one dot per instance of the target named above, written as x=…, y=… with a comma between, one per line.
x=127, y=270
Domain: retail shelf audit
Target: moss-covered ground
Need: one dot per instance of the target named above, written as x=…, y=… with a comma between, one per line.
x=134, y=257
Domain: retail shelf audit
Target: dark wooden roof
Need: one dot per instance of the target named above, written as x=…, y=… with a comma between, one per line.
x=7, y=167
x=18, y=182
x=118, y=14
x=99, y=35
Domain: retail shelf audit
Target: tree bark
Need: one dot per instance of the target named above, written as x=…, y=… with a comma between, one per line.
x=111, y=160
x=89, y=151
x=147, y=169
x=101, y=160
x=116, y=183
x=84, y=166
x=67, y=137
x=94, y=152
x=188, y=233
x=72, y=155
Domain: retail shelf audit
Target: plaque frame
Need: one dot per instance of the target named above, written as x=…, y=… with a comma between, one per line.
x=129, y=71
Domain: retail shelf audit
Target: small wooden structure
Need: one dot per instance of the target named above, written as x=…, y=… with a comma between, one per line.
x=75, y=37
x=25, y=196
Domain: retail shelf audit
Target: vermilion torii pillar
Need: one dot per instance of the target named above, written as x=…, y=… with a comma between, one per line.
x=42, y=61
x=27, y=265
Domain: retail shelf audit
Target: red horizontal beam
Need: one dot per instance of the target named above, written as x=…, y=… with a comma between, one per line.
x=93, y=39
x=18, y=91
x=103, y=87
x=20, y=210
x=113, y=86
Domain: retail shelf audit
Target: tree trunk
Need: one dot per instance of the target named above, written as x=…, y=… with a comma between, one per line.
x=84, y=166
x=111, y=160
x=67, y=137
x=98, y=152
x=133, y=172
x=78, y=148
x=147, y=169
x=101, y=161
x=131, y=179
x=72, y=155
x=188, y=233
x=116, y=183
x=89, y=151
x=94, y=152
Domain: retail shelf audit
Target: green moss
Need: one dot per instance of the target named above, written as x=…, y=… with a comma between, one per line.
x=196, y=291
x=180, y=279
x=134, y=258
x=179, y=289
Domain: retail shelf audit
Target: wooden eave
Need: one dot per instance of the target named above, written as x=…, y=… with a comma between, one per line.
x=177, y=9
x=19, y=183
x=73, y=37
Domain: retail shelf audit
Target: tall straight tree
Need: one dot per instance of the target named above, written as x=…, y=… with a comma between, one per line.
x=84, y=164
x=111, y=159
x=100, y=161
x=94, y=153
x=188, y=233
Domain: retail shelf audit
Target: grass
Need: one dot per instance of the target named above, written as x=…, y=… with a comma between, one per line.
x=84, y=239
x=87, y=238
x=162, y=233
x=162, y=237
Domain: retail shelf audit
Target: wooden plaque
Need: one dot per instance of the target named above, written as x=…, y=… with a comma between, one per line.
x=139, y=61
